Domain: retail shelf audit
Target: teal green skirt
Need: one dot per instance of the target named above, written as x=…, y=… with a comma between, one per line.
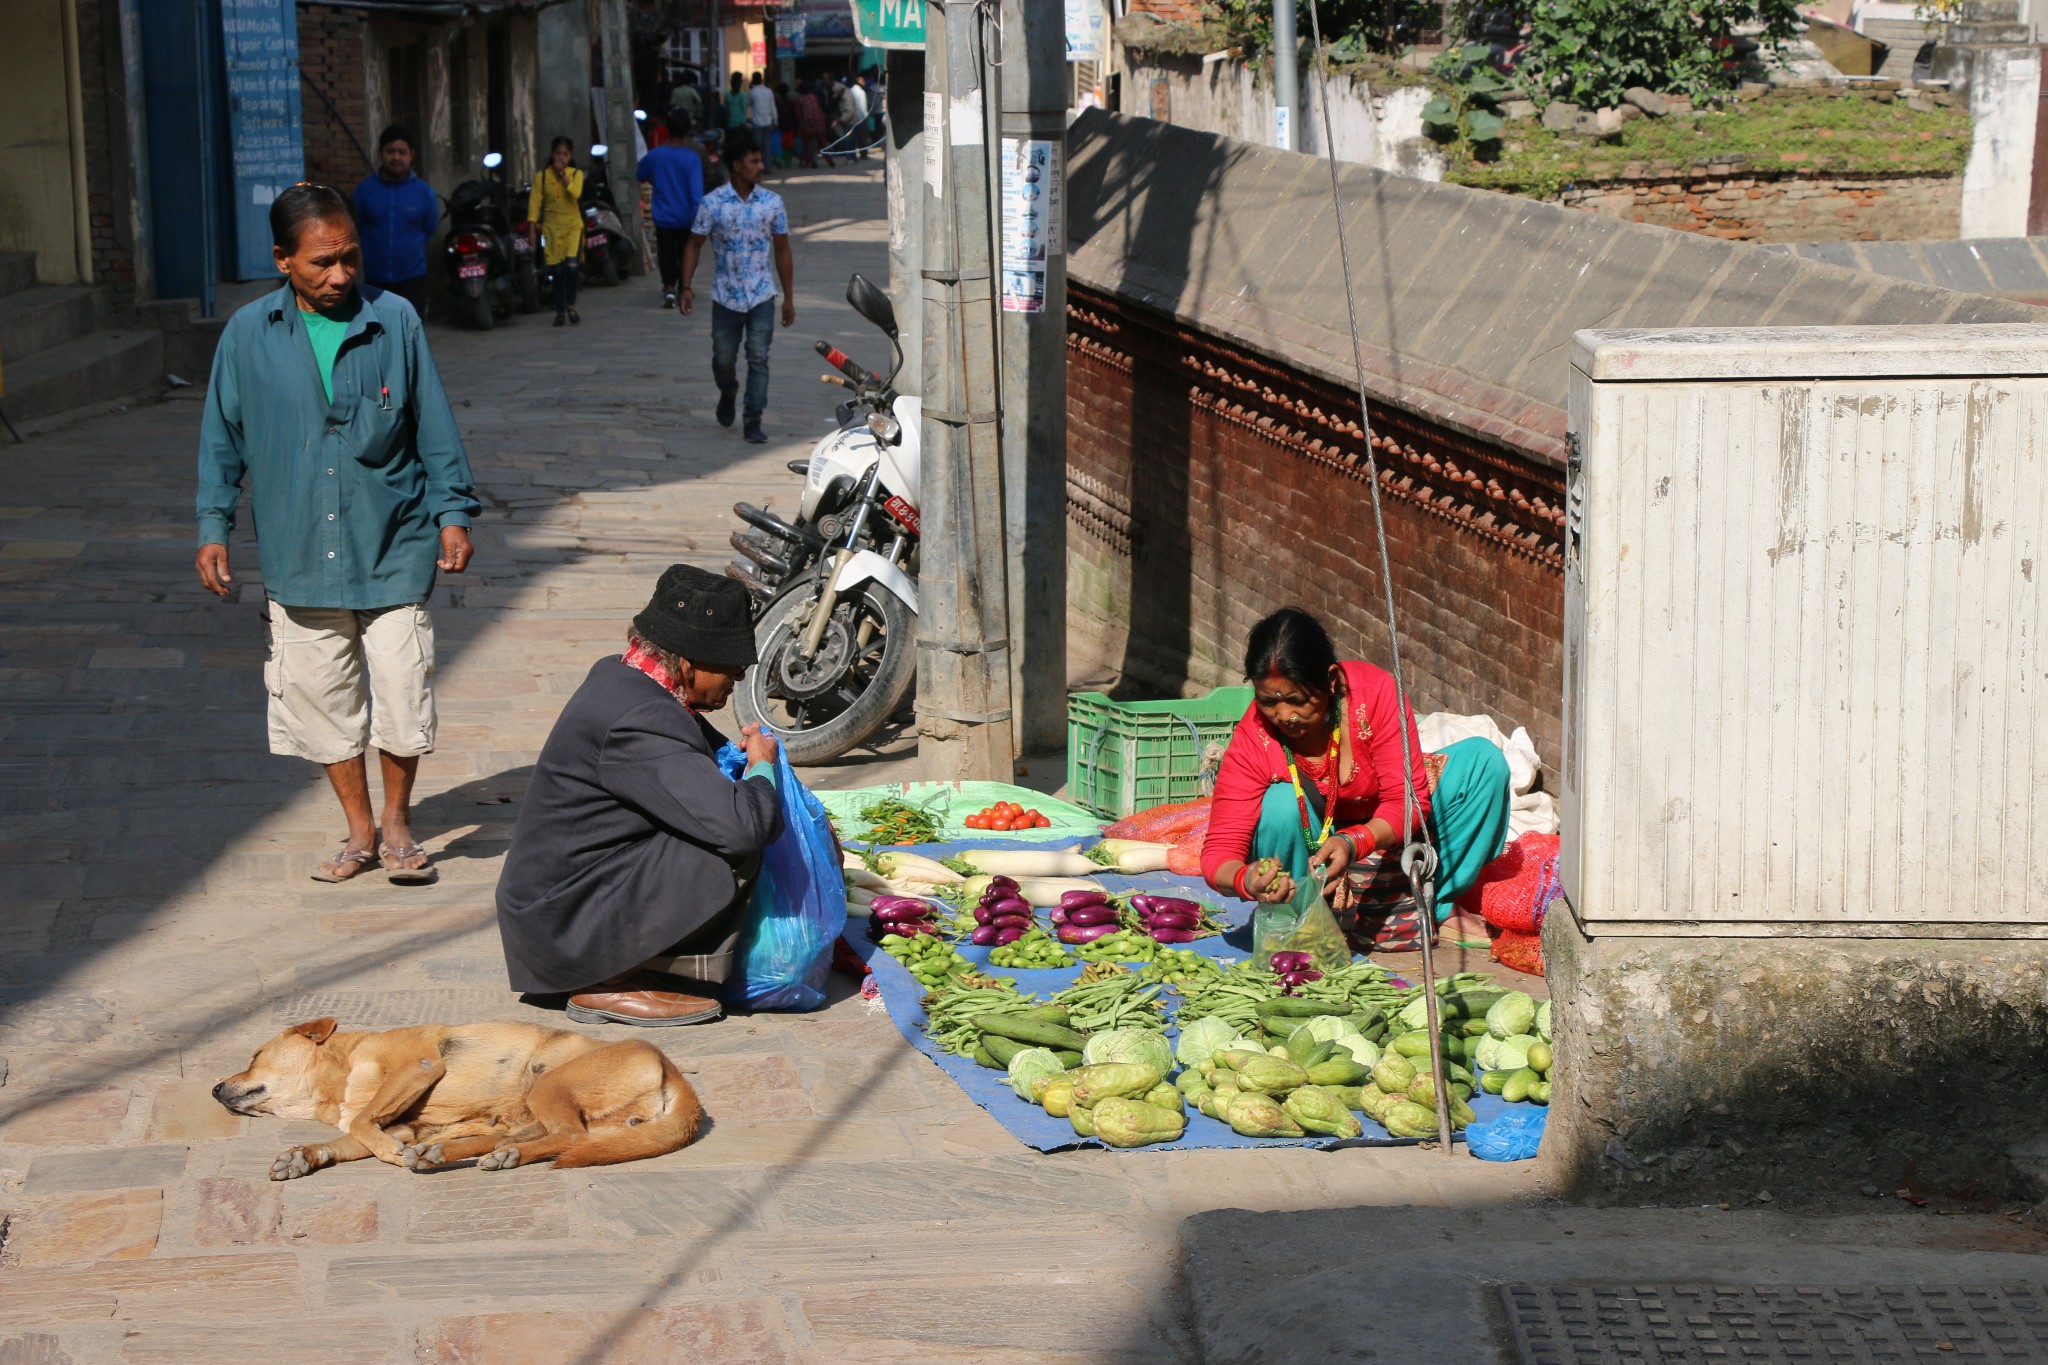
x=1468, y=823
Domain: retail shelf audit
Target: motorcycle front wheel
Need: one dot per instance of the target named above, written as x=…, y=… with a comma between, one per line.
x=606, y=266
x=822, y=709
x=480, y=316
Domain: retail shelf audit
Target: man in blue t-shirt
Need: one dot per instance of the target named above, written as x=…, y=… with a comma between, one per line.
x=677, y=174
x=396, y=214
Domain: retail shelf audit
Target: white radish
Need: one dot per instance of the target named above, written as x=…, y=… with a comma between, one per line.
x=857, y=874
x=1043, y=892
x=914, y=869
x=1130, y=857
x=1029, y=862
x=859, y=895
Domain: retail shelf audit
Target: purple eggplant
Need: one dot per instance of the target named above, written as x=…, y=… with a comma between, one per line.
x=1087, y=916
x=1007, y=885
x=1173, y=935
x=985, y=935
x=1084, y=933
x=1167, y=904
x=1172, y=919
x=1074, y=900
x=1008, y=936
x=1007, y=905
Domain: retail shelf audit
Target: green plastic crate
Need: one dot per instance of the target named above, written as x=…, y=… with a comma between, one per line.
x=1128, y=756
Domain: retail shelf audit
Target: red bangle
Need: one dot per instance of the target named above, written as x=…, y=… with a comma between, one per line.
x=1237, y=882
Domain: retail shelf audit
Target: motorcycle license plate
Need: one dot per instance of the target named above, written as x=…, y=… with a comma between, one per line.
x=594, y=238
x=470, y=270
x=904, y=513
x=522, y=246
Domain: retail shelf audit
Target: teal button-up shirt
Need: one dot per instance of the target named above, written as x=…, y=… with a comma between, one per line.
x=348, y=495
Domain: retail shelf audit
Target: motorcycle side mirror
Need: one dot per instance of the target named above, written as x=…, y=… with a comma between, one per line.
x=872, y=304
x=492, y=161
x=599, y=150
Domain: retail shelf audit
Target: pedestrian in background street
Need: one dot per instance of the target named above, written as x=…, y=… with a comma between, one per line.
x=736, y=105
x=785, y=126
x=747, y=228
x=761, y=119
x=689, y=99
x=677, y=174
x=853, y=116
x=325, y=401
x=556, y=205
x=811, y=124
x=396, y=213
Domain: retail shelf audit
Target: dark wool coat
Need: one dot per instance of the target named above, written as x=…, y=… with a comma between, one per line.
x=628, y=836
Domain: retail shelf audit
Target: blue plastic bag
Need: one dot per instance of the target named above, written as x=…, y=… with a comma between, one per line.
x=1513, y=1136
x=798, y=904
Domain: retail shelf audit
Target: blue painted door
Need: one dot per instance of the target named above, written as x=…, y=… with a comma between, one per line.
x=179, y=84
x=260, y=66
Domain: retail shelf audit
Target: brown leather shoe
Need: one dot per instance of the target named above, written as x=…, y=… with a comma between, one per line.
x=636, y=998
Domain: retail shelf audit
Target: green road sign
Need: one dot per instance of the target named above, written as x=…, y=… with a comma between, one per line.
x=890, y=23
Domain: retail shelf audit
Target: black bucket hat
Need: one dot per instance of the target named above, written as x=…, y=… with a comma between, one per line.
x=701, y=616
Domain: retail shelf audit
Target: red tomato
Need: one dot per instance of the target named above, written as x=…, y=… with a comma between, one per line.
x=1041, y=822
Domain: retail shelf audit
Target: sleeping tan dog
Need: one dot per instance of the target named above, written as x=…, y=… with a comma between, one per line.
x=427, y=1096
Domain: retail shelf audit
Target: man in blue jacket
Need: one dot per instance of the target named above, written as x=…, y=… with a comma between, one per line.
x=396, y=213
x=325, y=402
x=677, y=174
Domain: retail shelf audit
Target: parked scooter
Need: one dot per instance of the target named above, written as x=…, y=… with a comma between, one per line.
x=835, y=591
x=607, y=251
x=490, y=275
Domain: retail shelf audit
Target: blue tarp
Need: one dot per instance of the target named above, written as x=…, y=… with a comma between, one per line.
x=1030, y=1124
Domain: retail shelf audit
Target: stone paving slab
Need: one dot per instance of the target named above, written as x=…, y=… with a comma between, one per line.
x=845, y=1202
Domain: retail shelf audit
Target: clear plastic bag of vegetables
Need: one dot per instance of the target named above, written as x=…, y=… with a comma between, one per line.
x=1303, y=925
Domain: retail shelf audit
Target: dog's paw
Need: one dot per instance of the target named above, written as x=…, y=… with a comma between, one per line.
x=503, y=1159
x=292, y=1165
x=418, y=1156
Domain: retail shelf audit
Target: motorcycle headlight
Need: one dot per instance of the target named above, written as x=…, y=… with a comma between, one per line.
x=884, y=427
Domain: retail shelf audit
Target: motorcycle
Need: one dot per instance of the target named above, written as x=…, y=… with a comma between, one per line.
x=607, y=252
x=490, y=274
x=835, y=591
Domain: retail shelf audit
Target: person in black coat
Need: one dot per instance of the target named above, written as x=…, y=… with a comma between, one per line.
x=634, y=853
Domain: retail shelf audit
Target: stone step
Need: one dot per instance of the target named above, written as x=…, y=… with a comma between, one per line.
x=1990, y=12
x=42, y=316
x=92, y=369
x=17, y=271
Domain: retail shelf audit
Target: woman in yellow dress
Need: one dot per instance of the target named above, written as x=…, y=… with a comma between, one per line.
x=557, y=207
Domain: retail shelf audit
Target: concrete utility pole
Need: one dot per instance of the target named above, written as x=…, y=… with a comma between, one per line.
x=963, y=658
x=1286, y=79
x=1034, y=360
x=907, y=201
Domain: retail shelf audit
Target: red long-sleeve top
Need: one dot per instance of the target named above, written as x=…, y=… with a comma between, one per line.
x=1256, y=760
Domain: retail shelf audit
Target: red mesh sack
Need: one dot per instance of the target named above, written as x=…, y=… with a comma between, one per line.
x=1519, y=949
x=1162, y=824
x=1184, y=859
x=1515, y=890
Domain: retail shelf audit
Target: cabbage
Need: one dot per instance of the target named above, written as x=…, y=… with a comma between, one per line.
x=1028, y=1065
x=1327, y=1028
x=1130, y=1045
x=1513, y=1013
x=1413, y=1015
x=1487, y=1055
x=1203, y=1039
x=1512, y=1054
x=1363, y=1052
x=1543, y=1021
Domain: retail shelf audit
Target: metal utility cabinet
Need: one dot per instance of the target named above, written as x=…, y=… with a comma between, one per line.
x=1806, y=684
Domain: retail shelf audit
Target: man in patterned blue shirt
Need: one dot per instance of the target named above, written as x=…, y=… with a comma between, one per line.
x=748, y=228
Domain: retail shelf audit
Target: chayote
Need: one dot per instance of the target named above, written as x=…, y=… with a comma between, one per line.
x=1257, y=1115
x=1270, y=1075
x=1134, y=1123
x=1320, y=1111
x=1113, y=1080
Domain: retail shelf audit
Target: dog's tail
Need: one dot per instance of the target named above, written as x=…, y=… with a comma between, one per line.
x=669, y=1131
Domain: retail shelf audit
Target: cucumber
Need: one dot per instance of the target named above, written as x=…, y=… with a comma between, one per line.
x=983, y=1057
x=1288, y=1007
x=1067, y=1058
x=1032, y=1032
x=1415, y=1044
x=1539, y=1093
x=1517, y=1088
x=1493, y=1082
x=1002, y=1049
x=1049, y=1014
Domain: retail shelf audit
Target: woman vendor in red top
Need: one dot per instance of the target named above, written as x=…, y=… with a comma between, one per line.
x=1312, y=779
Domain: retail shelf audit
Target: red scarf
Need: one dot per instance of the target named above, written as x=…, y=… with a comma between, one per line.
x=654, y=668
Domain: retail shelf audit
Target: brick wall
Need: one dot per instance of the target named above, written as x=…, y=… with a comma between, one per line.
x=331, y=64
x=1745, y=205
x=1170, y=11
x=1208, y=486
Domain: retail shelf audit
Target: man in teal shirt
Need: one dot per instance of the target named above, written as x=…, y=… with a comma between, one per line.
x=326, y=403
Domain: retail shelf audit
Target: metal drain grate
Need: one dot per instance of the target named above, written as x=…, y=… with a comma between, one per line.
x=1765, y=1324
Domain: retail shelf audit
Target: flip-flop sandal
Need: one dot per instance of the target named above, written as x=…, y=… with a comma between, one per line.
x=345, y=865
x=392, y=854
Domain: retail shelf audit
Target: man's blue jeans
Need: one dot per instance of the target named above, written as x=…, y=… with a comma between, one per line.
x=728, y=326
